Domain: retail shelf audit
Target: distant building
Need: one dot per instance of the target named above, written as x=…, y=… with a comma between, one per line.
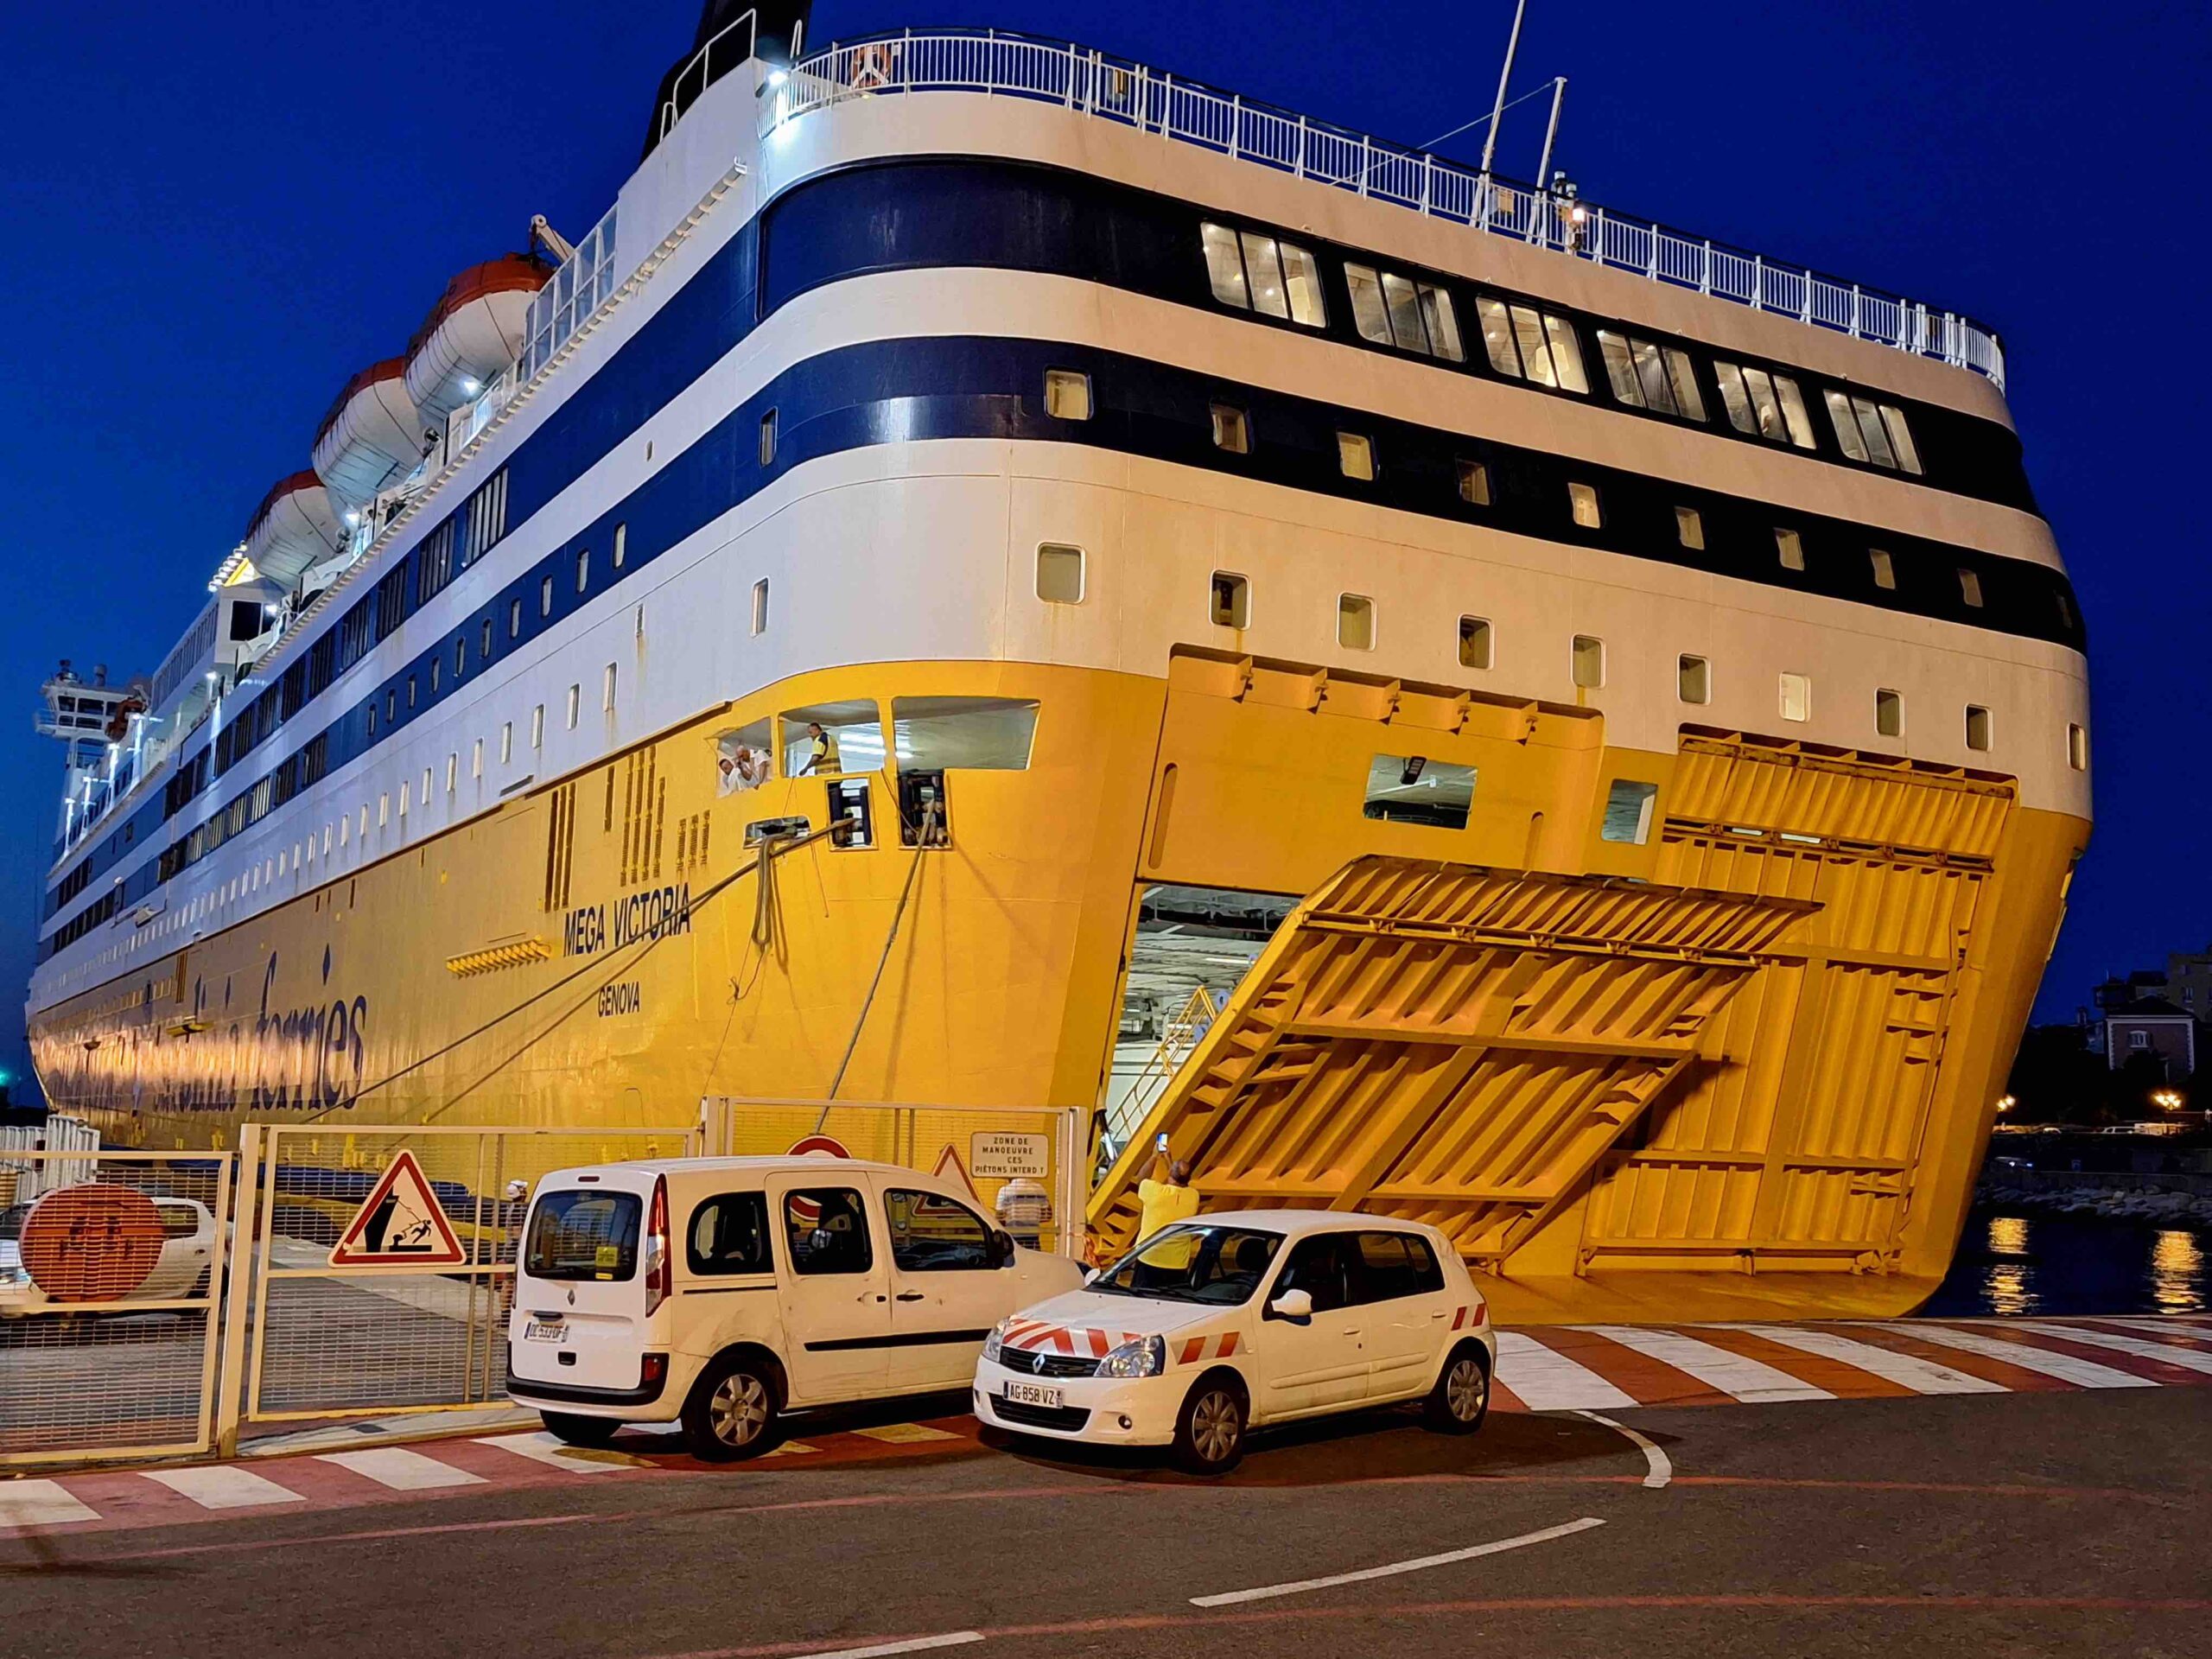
x=2152, y=1025
x=2189, y=983
x=2116, y=992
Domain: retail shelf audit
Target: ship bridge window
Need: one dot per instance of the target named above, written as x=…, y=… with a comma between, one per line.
x=1765, y=406
x=1255, y=273
x=1414, y=316
x=962, y=733
x=1414, y=789
x=1059, y=574
x=1067, y=394
x=1355, y=456
x=1531, y=345
x=832, y=737
x=1582, y=498
x=1645, y=376
x=1873, y=432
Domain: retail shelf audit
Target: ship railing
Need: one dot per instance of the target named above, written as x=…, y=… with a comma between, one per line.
x=1120, y=90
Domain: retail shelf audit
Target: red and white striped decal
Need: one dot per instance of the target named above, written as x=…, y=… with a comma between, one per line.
x=1195, y=1349
x=1031, y=1336
x=1478, y=1316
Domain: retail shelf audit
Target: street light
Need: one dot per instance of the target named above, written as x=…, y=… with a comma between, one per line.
x=2007, y=1102
x=2168, y=1099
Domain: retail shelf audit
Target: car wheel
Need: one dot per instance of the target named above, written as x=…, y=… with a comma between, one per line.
x=1209, y=1429
x=198, y=1290
x=732, y=1412
x=1460, y=1399
x=572, y=1430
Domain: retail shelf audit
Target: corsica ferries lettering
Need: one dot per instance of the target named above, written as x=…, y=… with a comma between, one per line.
x=653, y=915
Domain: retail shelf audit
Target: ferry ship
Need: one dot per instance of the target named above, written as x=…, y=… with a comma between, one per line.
x=997, y=575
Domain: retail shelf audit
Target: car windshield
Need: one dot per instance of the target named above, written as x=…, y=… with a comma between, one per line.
x=1200, y=1261
x=11, y=1223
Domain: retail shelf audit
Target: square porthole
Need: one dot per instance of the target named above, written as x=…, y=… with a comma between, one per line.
x=1232, y=601
x=1796, y=697
x=1889, y=713
x=760, y=607
x=1977, y=727
x=1231, y=431
x=1474, y=483
x=1589, y=661
x=1885, y=570
x=1354, y=621
x=1474, y=642
x=1582, y=500
x=1689, y=528
x=1067, y=394
x=1059, y=574
x=1355, y=456
x=1693, y=678
x=768, y=439
x=1970, y=588
x=1790, y=547
x=2077, y=746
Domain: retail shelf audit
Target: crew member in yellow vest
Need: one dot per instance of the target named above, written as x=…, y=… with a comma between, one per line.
x=1167, y=1198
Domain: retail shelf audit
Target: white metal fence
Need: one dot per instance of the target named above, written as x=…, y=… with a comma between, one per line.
x=1120, y=90
x=32, y=1161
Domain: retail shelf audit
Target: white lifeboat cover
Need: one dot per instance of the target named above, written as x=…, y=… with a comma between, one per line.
x=478, y=327
x=371, y=437
x=294, y=526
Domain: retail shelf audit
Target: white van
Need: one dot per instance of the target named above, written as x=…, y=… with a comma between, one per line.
x=722, y=1292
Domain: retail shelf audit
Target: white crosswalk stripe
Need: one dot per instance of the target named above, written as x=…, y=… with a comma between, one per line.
x=400, y=1469
x=223, y=1486
x=1920, y=1375
x=1549, y=1381
x=2082, y=1373
x=543, y=1448
x=40, y=1503
x=1732, y=1374
x=2189, y=1360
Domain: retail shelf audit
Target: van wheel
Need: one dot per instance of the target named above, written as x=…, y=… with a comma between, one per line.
x=572, y=1430
x=1460, y=1399
x=1209, y=1429
x=733, y=1411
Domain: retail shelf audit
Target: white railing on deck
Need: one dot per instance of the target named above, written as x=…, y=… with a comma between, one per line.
x=1116, y=89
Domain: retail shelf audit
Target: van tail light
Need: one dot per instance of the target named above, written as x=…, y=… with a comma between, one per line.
x=657, y=1269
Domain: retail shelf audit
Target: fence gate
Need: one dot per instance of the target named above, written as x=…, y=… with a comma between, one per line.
x=112, y=1268
x=311, y=1340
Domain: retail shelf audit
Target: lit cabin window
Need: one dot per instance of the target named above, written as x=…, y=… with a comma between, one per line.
x=1059, y=574
x=1067, y=394
x=1355, y=456
x=1231, y=431
x=1474, y=642
x=1255, y=273
x=1474, y=483
x=1689, y=528
x=1693, y=679
x=1645, y=376
x=1977, y=727
x=1766, y=405
x=1872, y=432
x=2077, y=746
x=1582, y=498
x=1889, y=713
x=1414, y=316
x=1629, y=806
x=1531, y=345
x=1970, y=588
x=1796, y=697
x=1791, y=548
x=1589, y=662
x=1885, y=570
x=1355, y=622
x=1232, y=601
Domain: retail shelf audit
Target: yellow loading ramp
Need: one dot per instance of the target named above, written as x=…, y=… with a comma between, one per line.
x=1447, y=1044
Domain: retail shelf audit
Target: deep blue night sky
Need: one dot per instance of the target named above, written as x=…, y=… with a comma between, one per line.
x=214, y=214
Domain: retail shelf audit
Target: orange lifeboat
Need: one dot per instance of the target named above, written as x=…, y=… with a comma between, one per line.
x=477, y=328
x=294, y=526
x=371, y=437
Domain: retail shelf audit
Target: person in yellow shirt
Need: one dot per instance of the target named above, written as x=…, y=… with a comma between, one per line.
x=1166, y=1198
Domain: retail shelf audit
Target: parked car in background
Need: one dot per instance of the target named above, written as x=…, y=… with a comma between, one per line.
x=1223, y=1324
x=180, y=1271
x=725, y=1293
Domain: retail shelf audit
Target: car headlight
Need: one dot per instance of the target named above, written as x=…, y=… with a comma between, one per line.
x=1144, y=1356
x=995, y=1344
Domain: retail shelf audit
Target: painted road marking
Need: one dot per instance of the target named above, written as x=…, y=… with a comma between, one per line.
x=1549, y=1381
x=1659, y=1469
x=544, y=1448
x=2189, y=1359
x=1268, y=1591
x=40, y=1503
x=789, y=1448
x=401, y=1470
x=912, y=1644
x=905, y=1434
x=223, y=1486
x=1748, y=1380
x=2082, y=1373
x=1920, y=1375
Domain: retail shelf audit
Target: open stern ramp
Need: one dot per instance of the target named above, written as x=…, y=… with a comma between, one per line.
x=1450, y=1044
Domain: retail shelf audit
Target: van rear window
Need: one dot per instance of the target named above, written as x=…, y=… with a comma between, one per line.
x=579, y=1234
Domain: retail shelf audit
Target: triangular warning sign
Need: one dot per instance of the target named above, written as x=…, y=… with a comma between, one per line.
x=949, y=1167
x=399, y=1224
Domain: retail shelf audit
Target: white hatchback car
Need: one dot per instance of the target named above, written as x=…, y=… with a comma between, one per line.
x=720, y=1292
x=1225, y=1323
x=187, y=1258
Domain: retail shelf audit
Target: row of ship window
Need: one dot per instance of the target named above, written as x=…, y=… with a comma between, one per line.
x=1067, y=395
x=1060, y=580
x=1272, y=277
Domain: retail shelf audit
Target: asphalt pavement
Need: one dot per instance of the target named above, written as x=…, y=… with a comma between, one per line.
x=2022, y=1524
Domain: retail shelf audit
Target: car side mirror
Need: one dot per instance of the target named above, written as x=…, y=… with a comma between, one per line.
x=1294, y=1306
x=1001, y=1249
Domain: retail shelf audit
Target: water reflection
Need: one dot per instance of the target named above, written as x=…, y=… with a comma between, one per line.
x=2014, y=1263
x=2178, y=1272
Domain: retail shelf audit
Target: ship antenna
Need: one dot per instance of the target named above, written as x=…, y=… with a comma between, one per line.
x=1497, y=107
